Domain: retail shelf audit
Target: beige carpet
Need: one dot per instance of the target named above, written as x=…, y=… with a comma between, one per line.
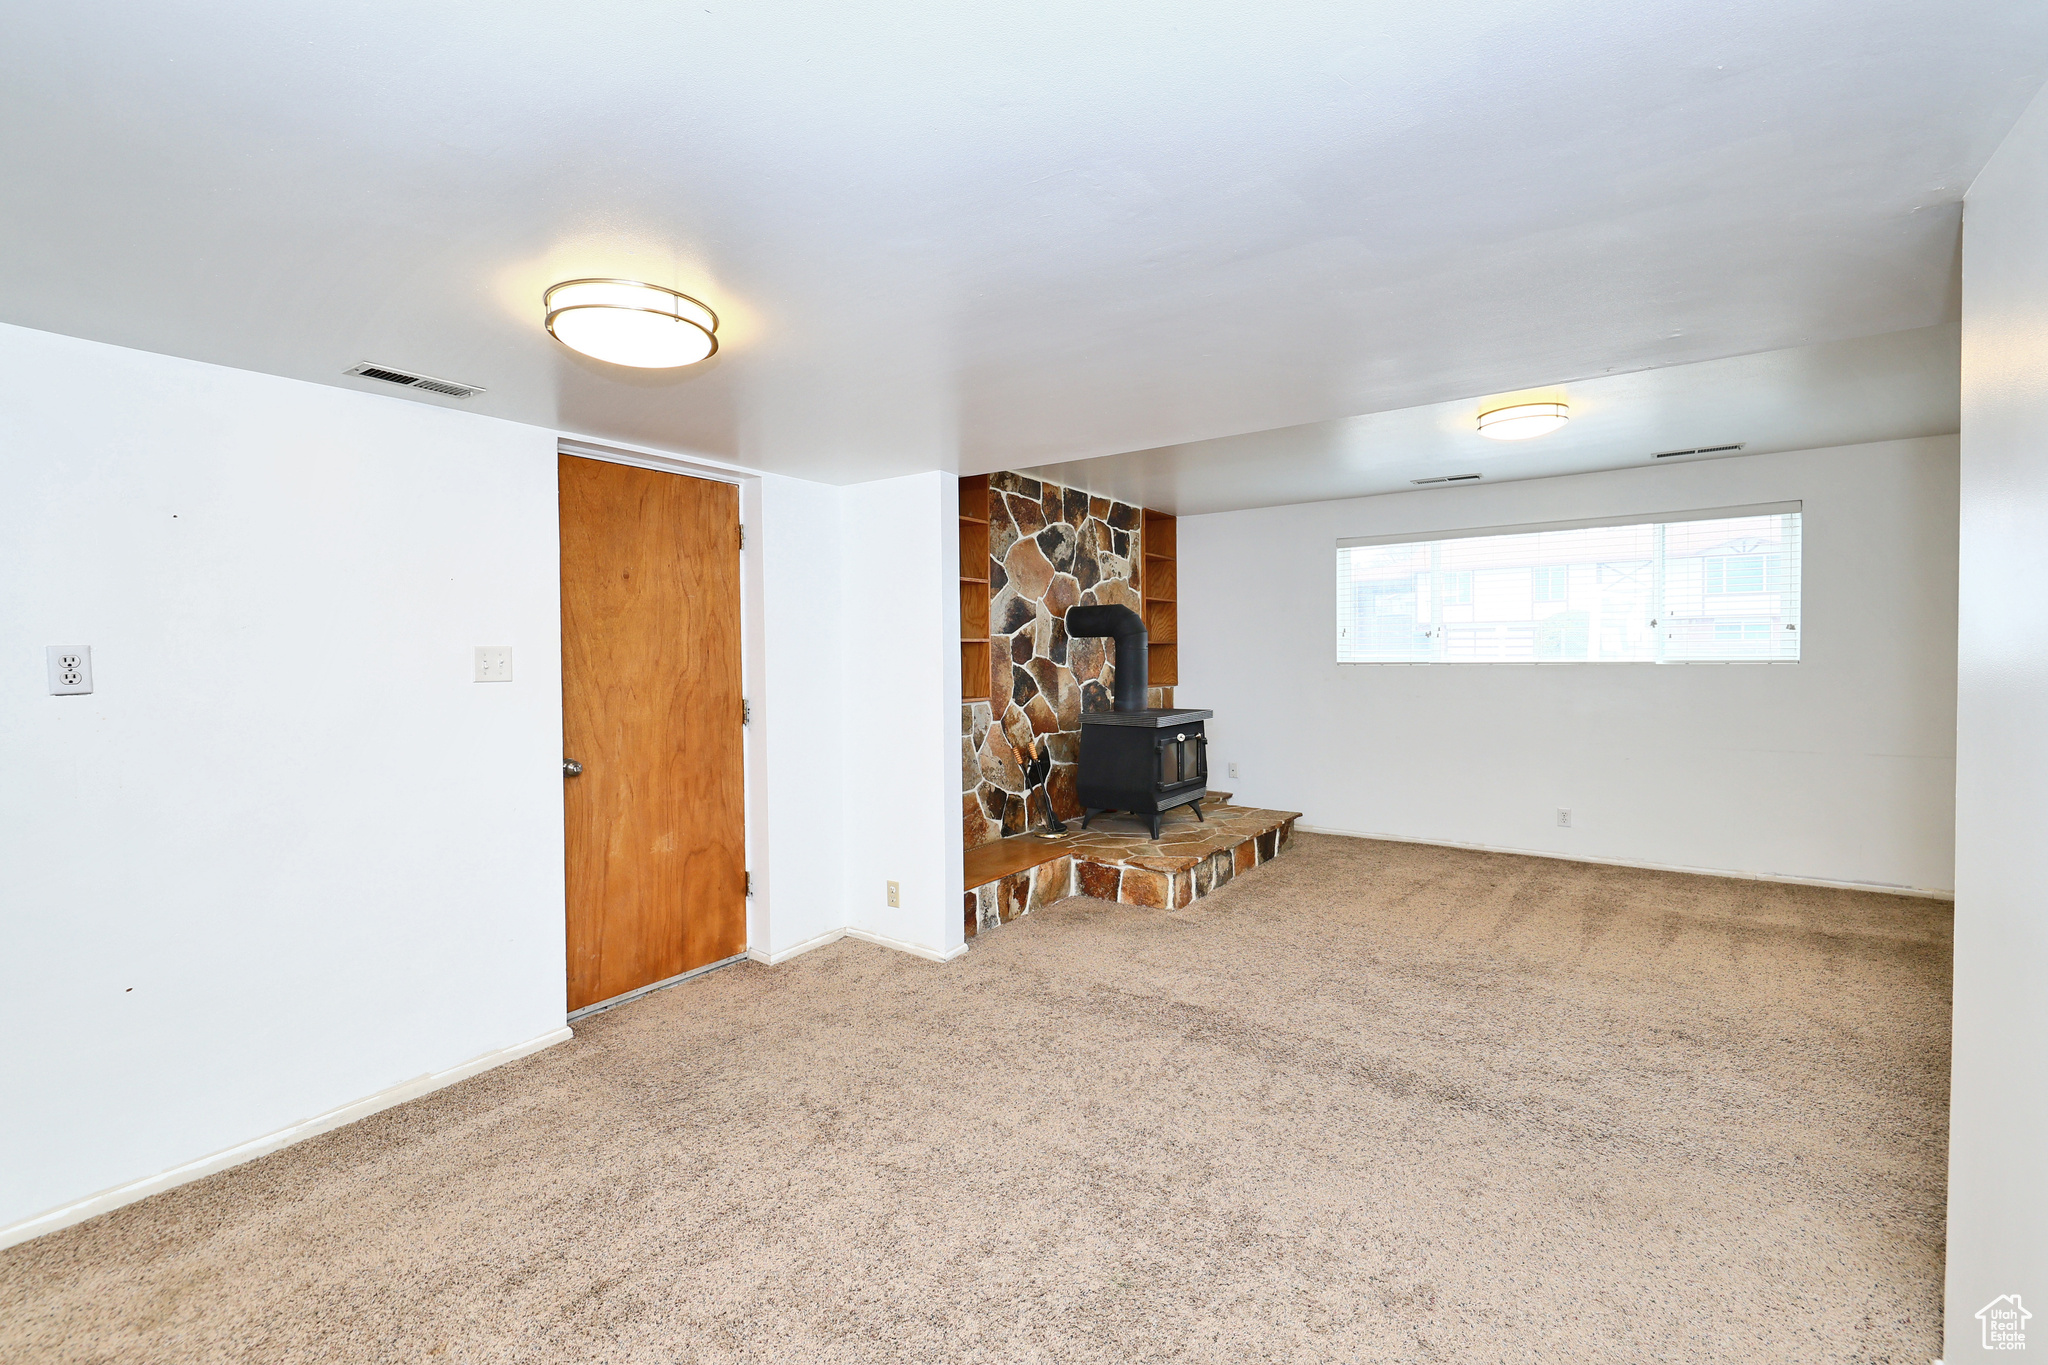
x=1374, y=1102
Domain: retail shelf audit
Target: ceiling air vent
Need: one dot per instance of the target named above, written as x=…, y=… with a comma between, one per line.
x=1447, y=478
x=416, y=381
x=1700, y=450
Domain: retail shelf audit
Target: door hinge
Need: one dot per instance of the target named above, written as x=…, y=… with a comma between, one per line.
x=746, y=711
x=750, y=883
x=743, y=535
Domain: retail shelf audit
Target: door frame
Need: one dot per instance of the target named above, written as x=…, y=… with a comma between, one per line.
x=753, y=758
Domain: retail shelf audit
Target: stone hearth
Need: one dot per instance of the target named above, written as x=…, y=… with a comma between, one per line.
x=1117, y=860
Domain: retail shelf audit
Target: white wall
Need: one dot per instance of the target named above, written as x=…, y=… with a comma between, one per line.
x=1839, y=768
x=1998, y=1120
x=901, y=712
x=862, y=761
x=798, y=819
x=287, y=855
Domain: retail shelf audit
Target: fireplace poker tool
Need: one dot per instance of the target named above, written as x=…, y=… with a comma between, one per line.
x=1036, y=774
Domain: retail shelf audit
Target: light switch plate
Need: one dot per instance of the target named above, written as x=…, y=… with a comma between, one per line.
x=70, y=670
x=494, y=663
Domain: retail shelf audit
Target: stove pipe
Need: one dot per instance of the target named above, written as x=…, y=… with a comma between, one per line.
x=1131, y=666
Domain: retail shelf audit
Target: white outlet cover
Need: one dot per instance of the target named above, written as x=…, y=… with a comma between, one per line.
x=494, y=663
x=70, y=670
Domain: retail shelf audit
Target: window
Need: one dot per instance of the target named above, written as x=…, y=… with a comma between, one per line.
x=1726, y=573
x=1708, y=587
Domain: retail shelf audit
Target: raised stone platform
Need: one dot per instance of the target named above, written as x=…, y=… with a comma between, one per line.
x=1117, y=860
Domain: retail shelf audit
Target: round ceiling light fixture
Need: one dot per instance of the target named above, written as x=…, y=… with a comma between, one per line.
x=1523, y=421
x=625, y=322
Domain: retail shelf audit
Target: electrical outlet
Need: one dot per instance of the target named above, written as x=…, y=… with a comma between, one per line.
x=1233, y=772
x=70, y=670
x=895, y=896
x=494, y=663
x=1564, y=818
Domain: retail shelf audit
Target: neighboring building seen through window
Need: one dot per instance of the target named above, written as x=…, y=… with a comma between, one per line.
x=1708, y=589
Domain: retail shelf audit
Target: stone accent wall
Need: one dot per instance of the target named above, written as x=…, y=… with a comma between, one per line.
x=1050, y=548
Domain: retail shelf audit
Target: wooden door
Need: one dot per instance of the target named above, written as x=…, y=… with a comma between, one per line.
x=651, y=708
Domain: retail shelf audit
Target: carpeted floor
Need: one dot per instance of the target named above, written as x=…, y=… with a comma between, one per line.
x=1374, y=1102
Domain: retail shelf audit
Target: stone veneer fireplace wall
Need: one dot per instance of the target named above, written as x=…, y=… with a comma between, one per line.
x=1050, y=548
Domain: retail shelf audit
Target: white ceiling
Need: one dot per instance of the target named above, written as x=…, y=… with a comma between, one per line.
x=1000, y=234
x=1836, y=393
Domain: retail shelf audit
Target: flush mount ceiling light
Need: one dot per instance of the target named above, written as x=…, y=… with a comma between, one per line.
x=624, y=322
x=1523, y=421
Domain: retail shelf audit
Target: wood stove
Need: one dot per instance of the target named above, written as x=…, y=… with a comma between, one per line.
x=1145, y=760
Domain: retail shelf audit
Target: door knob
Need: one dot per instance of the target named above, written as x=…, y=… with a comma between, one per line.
x=570, y=767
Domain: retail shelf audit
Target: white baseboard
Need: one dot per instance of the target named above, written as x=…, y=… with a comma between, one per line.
x=914, y=949
x=767, y=959
x=106, y=1200
x=1929, y=893
x=865, y=936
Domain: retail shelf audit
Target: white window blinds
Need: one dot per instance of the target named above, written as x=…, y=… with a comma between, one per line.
x=1717, y=586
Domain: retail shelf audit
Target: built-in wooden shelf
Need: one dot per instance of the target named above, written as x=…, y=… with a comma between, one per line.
x=1159, y=585
x=974, y=609
x=974, y=670
x=974, y=641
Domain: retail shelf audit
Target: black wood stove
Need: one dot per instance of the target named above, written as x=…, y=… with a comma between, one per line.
x=1145, y=760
